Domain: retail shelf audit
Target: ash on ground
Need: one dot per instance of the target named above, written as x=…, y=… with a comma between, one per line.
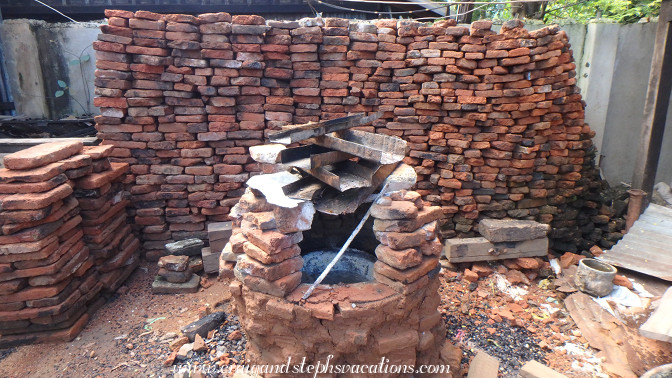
x=513, y=346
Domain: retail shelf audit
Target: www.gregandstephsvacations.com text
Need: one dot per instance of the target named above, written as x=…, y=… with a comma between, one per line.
x=326, y=367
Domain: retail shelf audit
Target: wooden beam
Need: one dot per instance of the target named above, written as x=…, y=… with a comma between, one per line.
x=659, y=325
x=656, y=106
x=383, y=149
x=297, y=133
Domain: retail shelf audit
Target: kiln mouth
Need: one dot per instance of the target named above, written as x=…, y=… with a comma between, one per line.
x=355, y=266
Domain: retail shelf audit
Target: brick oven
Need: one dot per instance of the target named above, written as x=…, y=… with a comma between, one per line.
x=380, y=300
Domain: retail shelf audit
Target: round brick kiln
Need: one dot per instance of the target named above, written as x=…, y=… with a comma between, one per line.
x=393, y=317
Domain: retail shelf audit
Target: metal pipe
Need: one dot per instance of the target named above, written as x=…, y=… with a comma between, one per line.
x=634, y=207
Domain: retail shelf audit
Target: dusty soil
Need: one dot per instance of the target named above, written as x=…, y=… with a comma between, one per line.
x=123, y=337
x=129, y=335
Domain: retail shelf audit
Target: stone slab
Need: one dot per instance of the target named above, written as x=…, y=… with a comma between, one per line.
x=161, y=286
x=204, y=325
x=210, y=260
x=174, y=263
x=509, y=230
x=186, y=247
x=219, y=230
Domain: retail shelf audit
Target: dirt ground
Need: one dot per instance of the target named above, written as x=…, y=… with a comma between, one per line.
x=128, y=336
x=111, y=345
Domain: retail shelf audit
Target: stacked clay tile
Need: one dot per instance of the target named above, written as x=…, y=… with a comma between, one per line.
x=64, y=238
x=47, y=279
x=494, y=120
x=265, y=240
x=410, y=247
x=102, y=202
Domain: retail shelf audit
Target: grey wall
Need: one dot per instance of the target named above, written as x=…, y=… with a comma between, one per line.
x=37, y=55
x=612, y=60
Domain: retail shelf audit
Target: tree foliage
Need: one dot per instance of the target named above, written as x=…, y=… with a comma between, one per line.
x=621, y=11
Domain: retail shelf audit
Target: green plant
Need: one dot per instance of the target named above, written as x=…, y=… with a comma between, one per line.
x=79, y=61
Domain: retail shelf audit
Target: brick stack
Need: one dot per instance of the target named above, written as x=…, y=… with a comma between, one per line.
x=279, y=106
x=175, y=276
x=265, y=240
x=494, y=120
x=103, y=201
x=334, y=68
x=305, y=83
x=47, y=279
x=410, y=248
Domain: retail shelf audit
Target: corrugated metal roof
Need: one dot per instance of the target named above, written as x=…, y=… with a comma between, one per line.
x=647, y=247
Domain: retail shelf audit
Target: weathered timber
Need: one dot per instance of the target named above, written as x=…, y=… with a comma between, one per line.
x=297, y=133
x=383, y=149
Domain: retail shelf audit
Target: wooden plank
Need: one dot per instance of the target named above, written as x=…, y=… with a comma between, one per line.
x=480, y=249
x=483, y=366
x=535, y=369
x=596, y=325
x=312, y=156
x=297, y=133
x=383, y=149
x=656, y=105
x=659, y=325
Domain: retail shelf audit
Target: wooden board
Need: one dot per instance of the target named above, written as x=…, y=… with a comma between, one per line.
x=382, y=149
x=535, y=369
x=659, y=325
x=483, y=366
x=596, y=326
x=480, y=249
x=346, y=175
x=297, y=133
x=312, y=156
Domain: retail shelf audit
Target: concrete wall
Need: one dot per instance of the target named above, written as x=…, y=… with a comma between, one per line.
x=612, y=62
x=37, y=55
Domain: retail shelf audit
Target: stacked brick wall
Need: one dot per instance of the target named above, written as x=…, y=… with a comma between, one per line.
x=63, y=239
x=494, y=120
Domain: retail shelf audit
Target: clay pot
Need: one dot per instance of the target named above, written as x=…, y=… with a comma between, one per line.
x=595, y=277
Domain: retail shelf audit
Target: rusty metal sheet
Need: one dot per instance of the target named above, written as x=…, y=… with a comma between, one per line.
x=646, y=247
x=383, y=149
x=336, y=203
x=297, y=133
x=346, y=175
x=307, y=188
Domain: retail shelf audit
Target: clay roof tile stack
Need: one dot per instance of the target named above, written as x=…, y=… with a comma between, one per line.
x=49, y=277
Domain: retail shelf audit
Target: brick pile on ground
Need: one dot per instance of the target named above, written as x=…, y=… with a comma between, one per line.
x=265, y=243
x=103, y=202
x=48, y=283
x=495, y=121
x=176, y=276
